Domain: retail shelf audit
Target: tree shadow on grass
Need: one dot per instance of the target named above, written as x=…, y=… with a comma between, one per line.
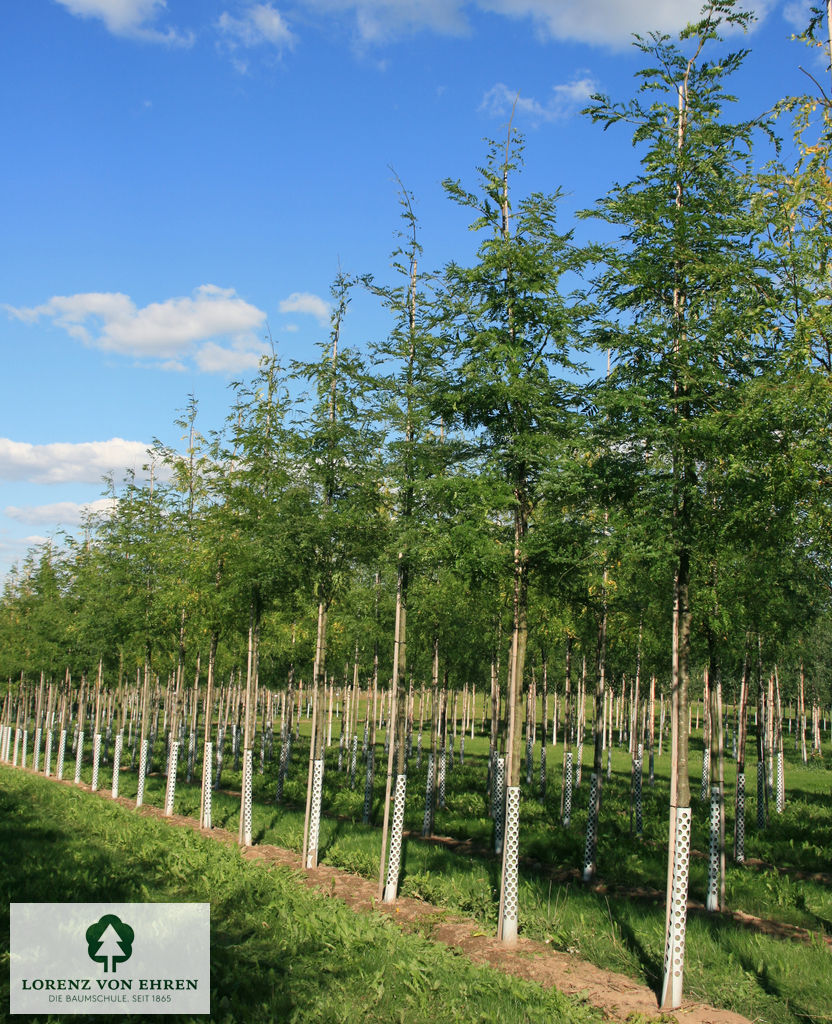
x=67, y=863
x=650, y=964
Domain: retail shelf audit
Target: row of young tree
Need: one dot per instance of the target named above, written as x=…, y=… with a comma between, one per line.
x=466, y=490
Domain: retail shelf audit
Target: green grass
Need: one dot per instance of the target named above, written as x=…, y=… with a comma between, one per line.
x=765, y=978
x=279, y=952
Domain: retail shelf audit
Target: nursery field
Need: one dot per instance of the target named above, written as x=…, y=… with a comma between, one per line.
x=508, y=591
x=767, y=956
x=278, y=952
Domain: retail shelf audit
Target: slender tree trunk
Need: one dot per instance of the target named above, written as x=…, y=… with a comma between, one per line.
x=248, y=726
x=430, y=784
x=399, y=709
x=508, y=915
x=591, y=844
x=205, y=817
x=680, y=813
x=567, y=775
x=742, y=720
x=317, y=741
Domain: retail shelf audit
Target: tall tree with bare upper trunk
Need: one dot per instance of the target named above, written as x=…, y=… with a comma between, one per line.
x=511, y=339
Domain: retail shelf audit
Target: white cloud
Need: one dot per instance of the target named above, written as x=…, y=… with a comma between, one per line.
x=169, y=331
x=605, y=22
x=306, y=302
x=797, y=14
x=602, y=22
x=564, y=101
x=65, y=513
x=377, y=21
x=129, y=18
x=63, y=462
x=260, y=24
x=212, y=358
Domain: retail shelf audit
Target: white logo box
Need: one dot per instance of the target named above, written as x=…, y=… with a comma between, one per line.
x=139, y=958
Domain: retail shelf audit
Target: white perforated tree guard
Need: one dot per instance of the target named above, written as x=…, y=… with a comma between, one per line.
x=206, y=787
x=17, y=733
x=392, y=884
x=78, y=756
x=510, y=861
x=353, y=759
x=282, y=764
x=740, y=825
x=315, y=813
x=591, y=830
x=443, y=760
x=245, y=810
x=674, y=954
x=637, y=790
x=761, y=796
x=23, y=752
x=170, y=789
x=499, y=803
x=142, y=773
x=706, y=773
x=529, y=761
x=47, y=759
x=567, y=795
x=712, y=897
x=368, y=788
x=96, y=760
x=781, y=784
x=429, y=796
x=220, y=757
x=117, y=749
x=36, y=761
x=59, y=767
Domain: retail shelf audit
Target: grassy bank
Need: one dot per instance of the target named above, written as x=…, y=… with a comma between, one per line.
x=278, y=951
x=766, y=977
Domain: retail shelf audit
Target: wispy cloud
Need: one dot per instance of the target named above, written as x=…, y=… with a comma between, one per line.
x=797, y=13
x=259, y=25
x=63, y=513
x=168, y=331
x=564, y=100
x=64, y=462
x=213, y=358
x=604, y=22
x=379, y=21
x=306, y=302
x=599, y=22
x=130, y=18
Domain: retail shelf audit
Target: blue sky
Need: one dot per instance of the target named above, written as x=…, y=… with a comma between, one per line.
x=183, y=178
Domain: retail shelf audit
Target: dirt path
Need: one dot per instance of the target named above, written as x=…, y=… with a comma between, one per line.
x=618, y=996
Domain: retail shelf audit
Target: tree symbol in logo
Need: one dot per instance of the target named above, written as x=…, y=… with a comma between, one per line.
x=110, y=939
